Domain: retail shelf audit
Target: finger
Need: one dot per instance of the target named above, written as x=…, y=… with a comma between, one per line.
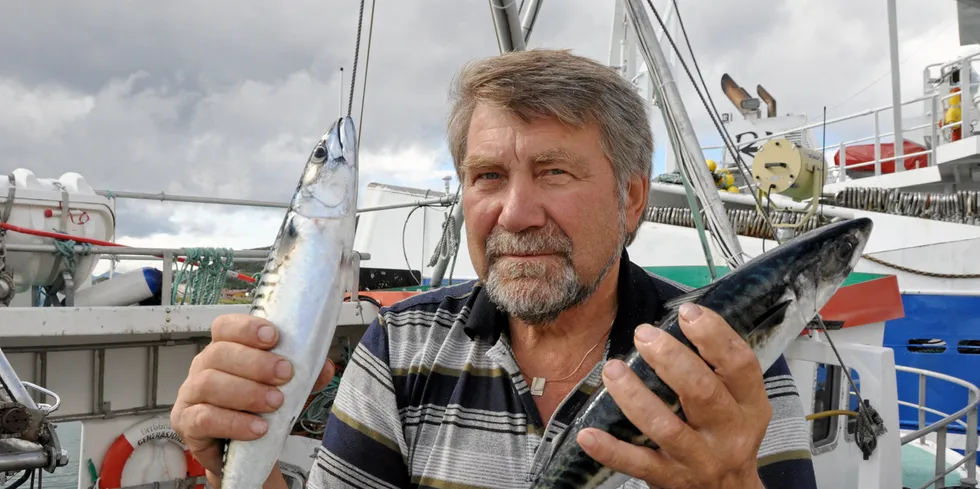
x=650, y=414
x=640, y=462
x=200, y=425
x=733, y=359
x=326, y=375
x=703, y=396
x=245, y=329
x=227, y=391
x=243, y=361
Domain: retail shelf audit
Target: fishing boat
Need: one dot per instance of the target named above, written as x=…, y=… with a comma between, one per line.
x=135, y=333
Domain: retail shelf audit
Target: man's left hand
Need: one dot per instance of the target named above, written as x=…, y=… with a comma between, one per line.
x=727, y=409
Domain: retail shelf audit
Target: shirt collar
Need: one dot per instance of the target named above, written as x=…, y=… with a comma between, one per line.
x=639, y=301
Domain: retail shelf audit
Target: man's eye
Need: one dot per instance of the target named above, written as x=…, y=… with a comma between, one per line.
x=488, y=175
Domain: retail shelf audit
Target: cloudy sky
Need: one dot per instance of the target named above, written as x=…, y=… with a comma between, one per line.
x=226, y=98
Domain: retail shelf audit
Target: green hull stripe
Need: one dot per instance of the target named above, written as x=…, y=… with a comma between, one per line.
x=697, y=276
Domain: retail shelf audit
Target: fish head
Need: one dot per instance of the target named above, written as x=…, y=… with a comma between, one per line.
x=786, y=288
x=820, y=260
x=328, y=187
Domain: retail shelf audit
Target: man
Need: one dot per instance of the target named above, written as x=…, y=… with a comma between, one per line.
x=468, y=385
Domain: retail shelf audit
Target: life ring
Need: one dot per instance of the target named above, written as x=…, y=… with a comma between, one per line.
x=110, y=475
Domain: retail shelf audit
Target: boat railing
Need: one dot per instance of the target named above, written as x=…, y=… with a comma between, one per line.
x=935, y=100
x=935, y=131
x=940, y=428
x=164, y=197
x=118, y=252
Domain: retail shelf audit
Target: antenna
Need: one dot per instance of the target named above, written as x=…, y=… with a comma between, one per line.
x=341, y=85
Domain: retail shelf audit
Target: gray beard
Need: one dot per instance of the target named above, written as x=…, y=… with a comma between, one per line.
x=562, y=292
x=527, y=291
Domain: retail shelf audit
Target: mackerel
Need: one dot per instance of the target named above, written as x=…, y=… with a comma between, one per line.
x=301, y=292
x=769, y=301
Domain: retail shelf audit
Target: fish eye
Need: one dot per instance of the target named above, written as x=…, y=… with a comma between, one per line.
x=846, y=247
x=319, y=153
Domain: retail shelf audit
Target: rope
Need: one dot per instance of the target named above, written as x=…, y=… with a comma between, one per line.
x=202, y=285
x=314, y=416
x=66, y=248
x=357, y=52
x=922, y=272
x=449, y=241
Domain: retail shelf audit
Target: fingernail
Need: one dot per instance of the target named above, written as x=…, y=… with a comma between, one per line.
x=647, y=333
x=266, y=333
x=258, y=426
x=273, y=397
x=283, y=369
x=615, y=369
x=689, y=312
x=586, y=439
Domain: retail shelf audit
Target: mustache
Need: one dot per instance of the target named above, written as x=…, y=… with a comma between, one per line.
x=533, y=241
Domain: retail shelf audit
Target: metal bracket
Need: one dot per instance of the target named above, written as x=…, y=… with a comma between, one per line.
x=355, y=281
x=68, y=287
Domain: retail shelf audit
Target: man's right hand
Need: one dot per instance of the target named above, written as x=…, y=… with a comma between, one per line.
x=231, y=378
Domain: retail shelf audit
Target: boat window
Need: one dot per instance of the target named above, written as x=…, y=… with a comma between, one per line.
x=826, y=397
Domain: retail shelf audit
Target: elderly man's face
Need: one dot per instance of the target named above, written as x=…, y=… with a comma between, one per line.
x=543, y=215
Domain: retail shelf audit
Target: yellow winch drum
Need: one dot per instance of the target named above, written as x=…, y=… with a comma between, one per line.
x=782, y=167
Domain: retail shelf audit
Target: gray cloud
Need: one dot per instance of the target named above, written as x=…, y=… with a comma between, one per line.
x=226, y=98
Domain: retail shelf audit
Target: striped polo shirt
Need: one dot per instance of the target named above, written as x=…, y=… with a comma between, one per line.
x=432, y=398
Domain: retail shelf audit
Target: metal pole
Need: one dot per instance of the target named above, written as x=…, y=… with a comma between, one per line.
x=161, y=196
x=125, y=250
x=506, y=20
x=677, y=119
x=530, y=15
x=257, y=203
x=896, y=83
x=510, y=37
x=12, y=382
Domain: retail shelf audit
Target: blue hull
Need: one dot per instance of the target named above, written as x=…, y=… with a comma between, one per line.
x=940, y=333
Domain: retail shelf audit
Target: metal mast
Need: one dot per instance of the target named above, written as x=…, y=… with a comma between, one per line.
x=681, y=132
x=512, y=35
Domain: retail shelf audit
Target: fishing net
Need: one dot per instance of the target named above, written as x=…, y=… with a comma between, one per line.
x=201, y=277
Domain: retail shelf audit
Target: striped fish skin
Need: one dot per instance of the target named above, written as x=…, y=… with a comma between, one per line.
x=301, y=291
x=768, y=301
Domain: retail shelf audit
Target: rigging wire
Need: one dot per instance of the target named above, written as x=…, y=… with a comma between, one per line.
x=367, y=63
x=865, y=412
x=710, y=106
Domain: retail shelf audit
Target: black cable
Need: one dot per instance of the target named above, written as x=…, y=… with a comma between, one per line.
x=710, y=108
x=716, y=121
x=21, y=481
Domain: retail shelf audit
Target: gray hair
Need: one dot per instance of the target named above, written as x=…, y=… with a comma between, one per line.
x=576, y=90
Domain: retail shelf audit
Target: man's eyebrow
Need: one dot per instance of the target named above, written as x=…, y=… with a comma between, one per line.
x=478, y=161
x=552, y=155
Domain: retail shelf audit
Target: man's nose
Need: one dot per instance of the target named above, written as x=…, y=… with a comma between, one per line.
x=522, y=206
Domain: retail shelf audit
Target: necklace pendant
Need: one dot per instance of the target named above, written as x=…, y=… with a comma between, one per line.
x=537, y=386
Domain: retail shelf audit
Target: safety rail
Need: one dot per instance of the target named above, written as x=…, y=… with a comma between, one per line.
x=940, y=427
x=877, y=135
x=167, y=255
x=935, y=112
x=164, y=197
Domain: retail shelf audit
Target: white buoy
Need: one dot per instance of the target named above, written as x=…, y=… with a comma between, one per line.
x=122, y=290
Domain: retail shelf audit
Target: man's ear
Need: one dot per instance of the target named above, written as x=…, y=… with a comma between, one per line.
x=637, y=192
